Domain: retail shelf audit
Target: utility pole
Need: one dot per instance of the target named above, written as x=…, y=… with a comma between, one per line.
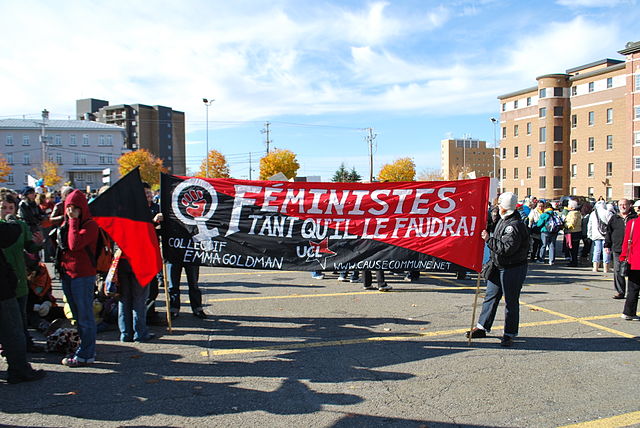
x=207, y=104
x=43, y=138
x=370, y=139
x=265, y=130
x=249, y=165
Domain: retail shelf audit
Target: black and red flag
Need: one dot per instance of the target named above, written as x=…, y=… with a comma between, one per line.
x=325, y=226
x=123, y=212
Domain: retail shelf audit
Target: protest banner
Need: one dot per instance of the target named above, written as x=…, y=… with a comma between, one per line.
x=428, y=226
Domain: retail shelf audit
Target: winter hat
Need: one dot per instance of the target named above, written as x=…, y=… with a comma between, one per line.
x=508, y=201
x=28, y=190
x=573, y=204
x=636, y=203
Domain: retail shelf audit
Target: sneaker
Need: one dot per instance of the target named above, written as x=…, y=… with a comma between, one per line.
x=200, y=314
x=619, y=296
x=370, y=287
x=629, y=317
x=355, y=280
x=506, y=341
x=385, y=287
x=147, y=338
x=476, y=333
x=316, y=275
x=342, y=278
x=75, y=362
x=33, y=375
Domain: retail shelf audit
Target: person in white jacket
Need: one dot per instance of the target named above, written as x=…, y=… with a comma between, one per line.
x=596, y=231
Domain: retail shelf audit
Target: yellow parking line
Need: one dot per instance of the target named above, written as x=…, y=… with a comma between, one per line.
x=624, y=420
x=397, y=338
x=352, y=293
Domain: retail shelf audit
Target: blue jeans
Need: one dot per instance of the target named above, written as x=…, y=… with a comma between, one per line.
x=508, y=283
x=132, y=308
x=79, y=293
x=598, y=254
x=174, y=271
x=548, y=240
x=14, y=345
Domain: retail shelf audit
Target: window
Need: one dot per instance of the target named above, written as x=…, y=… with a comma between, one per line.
x=608, y=193
x=542, y=112
x=574, y=120
x=528, y=172
x=574, y=170
x=515, y=130
x=504, y=132
x=574, y=190
x=609, y=169
x=609, y=115
x=591, y=86
x=83, y=159
x=557, y=133
x=9, y=140
x=636, y=138
x=609, y=142
x=10, y=178
x=543, y=92
x=26, y=178
x=557, y=92
x=59, y=158
x=592, y=144
x=590, y=170
x=528, y=101
x=515, y=191
x=528, y=128
x=504, y=173
x=558, y=111
x=504, y=153
x=557, y=158
x=110, y=140
x=528, y=191
x=25, y=140
x=504, y=106
x=542, y=182
x=609, y=82
x=542, y=135
x=542, y=160
x=592, y=118
x=26, y=159
x=515, y=173
x=557, y=182
x=10, y=158
x=528, y=150
x=515, y=152
x=85, y=139
x=101, y=140
x=102, y=159
x=590, y=192
x=636, y=163
x=574, y=91
x=79, y=176
x=574, y=146
x=515, y=105
x=72, y=140
x=637, y=80
x=636, y=113
x=76, y=158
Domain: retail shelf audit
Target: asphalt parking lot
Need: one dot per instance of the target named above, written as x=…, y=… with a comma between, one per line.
x=283, y=349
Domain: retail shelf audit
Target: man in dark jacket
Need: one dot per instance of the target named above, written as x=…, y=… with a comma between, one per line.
x=29, y=211
x=509, y=246
x=14, y=345
x=613, y=243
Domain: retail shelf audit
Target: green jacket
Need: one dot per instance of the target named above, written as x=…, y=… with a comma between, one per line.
x=15, y=257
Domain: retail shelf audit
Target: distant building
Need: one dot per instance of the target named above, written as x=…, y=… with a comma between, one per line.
x=82, y=149
x=158, y=129
x=575, y=133
x=466, y=155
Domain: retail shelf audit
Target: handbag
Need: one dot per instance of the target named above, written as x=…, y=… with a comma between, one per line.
x=625, y=266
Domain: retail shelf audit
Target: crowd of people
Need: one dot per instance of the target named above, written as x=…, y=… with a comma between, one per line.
x=38, y=227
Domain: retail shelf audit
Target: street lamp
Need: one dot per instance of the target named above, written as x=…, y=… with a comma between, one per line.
x=207, y=103
x=495, y=143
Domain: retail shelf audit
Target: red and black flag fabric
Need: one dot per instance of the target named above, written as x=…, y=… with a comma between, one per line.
x=432, y=226
x=123, y=212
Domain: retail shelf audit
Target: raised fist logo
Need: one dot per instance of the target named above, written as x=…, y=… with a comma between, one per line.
x=194, y=202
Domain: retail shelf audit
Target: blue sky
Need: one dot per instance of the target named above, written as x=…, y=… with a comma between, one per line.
x=319, y=71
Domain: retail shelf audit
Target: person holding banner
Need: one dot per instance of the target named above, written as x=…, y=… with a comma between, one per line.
x=509, y=247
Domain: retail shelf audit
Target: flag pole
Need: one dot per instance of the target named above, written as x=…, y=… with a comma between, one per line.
x=166, y=291
x=475, y=304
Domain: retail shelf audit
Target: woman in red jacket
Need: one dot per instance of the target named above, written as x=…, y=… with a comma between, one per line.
x=631, y=253
x=79, y=273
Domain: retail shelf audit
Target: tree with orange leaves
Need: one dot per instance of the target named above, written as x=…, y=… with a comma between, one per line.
x=49, y=172
x=5, y=169
x=279, y=160
x=402, y=169
x=150, y=166
x=218, y=167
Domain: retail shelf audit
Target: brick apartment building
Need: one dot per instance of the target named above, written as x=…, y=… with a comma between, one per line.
x=467, y=155
x=576, y=133
x=158, y=129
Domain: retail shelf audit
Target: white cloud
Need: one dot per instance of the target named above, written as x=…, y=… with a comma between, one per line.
x=593, y=3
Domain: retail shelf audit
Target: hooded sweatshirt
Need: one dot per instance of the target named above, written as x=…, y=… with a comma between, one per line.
x=82, y=238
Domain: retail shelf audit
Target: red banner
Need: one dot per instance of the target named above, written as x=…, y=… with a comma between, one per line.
x=338, y=225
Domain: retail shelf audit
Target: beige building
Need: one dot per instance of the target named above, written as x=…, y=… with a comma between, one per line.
x=576, y=133
x=158, y=129
x=467, y=155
